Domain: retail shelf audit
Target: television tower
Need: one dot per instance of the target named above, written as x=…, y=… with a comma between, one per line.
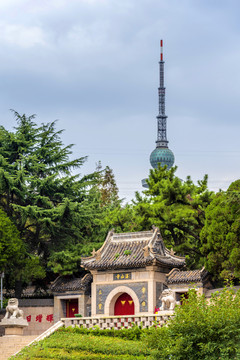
x=162, y=154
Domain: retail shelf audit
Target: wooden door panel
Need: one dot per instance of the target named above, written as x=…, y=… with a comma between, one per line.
x=71, y=307
x=124, y=305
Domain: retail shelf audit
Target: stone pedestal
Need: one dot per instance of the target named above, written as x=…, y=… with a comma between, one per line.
x=14, y=326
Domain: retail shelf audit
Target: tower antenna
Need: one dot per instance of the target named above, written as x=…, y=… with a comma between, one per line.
x=161, y=118
x=161, y=154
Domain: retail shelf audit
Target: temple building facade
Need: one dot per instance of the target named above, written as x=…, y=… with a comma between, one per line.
x=131, y=274
x=126, y=276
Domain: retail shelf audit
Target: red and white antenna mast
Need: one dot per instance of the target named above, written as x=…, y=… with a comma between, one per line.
x=161, y=47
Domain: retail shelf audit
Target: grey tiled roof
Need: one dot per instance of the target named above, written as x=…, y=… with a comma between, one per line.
x=177, y=276
x=70, y=283
x=132, y=250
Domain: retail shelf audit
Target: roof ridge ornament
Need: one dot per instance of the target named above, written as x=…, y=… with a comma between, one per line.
x=111, y=232
x=98, y=255
x=146, y=251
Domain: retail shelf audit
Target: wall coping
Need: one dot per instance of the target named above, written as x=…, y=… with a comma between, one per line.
x=160, y=313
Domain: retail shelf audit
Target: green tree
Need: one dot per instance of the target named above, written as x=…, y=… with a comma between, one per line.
x=11, y=245
x=15, y=262
x=220, y=235
x=53, y=208
x=107, y=186
x=201, y=329
x=178, y=208
x=89, y=229
x=123, y=218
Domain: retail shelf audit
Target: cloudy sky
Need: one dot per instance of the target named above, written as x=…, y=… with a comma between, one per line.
x=93, y=65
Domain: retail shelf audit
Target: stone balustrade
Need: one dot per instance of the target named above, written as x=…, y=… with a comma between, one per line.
x=118, y=322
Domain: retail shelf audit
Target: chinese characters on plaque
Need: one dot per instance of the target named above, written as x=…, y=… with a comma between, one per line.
x=39, y=318
x=122, y=276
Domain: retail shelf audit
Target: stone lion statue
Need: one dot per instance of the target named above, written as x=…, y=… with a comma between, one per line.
x=12, y=310
x=168, y=300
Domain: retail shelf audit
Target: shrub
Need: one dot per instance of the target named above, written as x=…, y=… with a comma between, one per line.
x=75, y=344
x=200, y=330
x=134, y=333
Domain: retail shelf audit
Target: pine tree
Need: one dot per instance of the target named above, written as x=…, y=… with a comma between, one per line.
x=53, y=209
x=107, y=186
x=178, y=208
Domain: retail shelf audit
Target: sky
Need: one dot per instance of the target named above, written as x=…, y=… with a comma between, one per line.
x=93, y=65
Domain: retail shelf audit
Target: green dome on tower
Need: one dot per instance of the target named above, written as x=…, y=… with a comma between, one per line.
x=162, y=155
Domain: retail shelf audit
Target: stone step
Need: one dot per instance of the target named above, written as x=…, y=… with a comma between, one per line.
x=9, y=345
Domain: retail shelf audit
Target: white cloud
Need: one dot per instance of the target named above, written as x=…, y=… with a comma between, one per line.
x=21, y=36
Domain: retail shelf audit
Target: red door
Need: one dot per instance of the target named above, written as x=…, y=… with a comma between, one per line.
x=71, y=307
x=124, y=305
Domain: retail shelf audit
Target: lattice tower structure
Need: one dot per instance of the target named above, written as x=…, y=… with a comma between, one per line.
x=162, y=154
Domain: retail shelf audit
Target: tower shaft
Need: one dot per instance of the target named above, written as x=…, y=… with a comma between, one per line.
x=161, y=118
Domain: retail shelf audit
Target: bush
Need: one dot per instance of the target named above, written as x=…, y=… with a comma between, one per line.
x=201, y=330
x=134, y=333
x=75, y=344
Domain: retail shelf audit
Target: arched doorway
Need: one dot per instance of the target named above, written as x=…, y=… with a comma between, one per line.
x=124, y=305
x=114, y=295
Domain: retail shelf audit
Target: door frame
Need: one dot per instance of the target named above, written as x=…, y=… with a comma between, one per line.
x=114, y=294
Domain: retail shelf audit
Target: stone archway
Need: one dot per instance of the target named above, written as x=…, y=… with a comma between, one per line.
x=113, y=296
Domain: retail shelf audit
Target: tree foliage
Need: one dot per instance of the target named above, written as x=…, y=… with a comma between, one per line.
x=11, y=245
x=57, y=212
x=61, y=215
x=177, y=207
x=107, y=186
x=201, y=329
x=220, y=235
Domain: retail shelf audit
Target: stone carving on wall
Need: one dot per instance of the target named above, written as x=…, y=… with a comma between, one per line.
x=168, y=300
x=12, y=310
